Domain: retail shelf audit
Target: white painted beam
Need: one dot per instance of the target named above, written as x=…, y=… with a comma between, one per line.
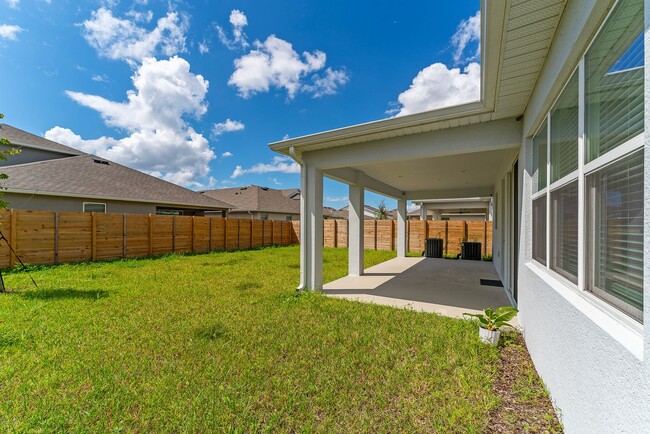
x=355, y=230
x=448, y=194
x=311, y=229
x=401, y=228
x=487, y=136
x=351, y=176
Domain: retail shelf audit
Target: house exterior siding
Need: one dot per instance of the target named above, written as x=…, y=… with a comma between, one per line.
x=592, y=359
x=75, y=204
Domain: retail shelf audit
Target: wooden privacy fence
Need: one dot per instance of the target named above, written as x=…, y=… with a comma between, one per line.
x=44, y=237
x=47, y=237
x=382, y=234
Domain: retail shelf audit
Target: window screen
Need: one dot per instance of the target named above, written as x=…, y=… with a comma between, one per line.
x=615, y=240
x=539, y=229
x=539, y=158
x=564, y=231
x=614, y=80
x=564, y=131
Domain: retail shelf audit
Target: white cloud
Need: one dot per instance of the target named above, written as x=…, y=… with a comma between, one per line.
x=228, y=126
x=160, y=141
x=123, y=39
x=437, y=86
x=275, y=181
x=102, y=78
x=10, y=31
x=226, y=154
x=144, y=16
x=238, y=21
x=336, y=199
x=203, y=47
x=410, y=207
x=13, y=3
x=278, y=164
x=326, y=84
x=468, y=31
x=274, y=63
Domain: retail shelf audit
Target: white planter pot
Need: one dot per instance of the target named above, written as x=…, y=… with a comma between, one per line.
x=489, y=336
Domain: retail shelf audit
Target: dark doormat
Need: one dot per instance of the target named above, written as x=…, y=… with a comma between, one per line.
x=491, y=282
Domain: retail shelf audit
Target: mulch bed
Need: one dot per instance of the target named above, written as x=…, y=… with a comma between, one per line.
x=525, y=404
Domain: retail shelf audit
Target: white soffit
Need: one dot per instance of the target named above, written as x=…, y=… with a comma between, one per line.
x=519, y=34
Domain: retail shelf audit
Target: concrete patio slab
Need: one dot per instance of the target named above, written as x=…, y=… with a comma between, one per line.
x=447, y=287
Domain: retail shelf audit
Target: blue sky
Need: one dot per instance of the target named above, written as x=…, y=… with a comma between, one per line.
x=193, y=91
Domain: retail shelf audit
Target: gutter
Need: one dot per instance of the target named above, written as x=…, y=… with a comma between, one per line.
x=303, y=223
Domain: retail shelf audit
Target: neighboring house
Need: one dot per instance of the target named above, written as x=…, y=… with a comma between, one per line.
x=559, y=139
x=48, y=176
x=468, y=209
x=369, y=212
x=261, y=203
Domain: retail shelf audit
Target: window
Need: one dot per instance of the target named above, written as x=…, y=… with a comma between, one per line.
x=539, y=158
x=264, y=216
x=94, y=207
x=564, y=231
x=614, y=80
x=288, y=218
x=564, y=131
x=539, y=229
x=615, y=233
x=609, y=181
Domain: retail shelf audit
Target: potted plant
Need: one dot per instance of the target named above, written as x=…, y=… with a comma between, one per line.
x=491, y=321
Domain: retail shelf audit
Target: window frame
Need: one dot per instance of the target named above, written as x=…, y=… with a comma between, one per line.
x=584, y=170
x=83, y=207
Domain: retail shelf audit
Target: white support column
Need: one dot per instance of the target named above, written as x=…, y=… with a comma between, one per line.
x=311, y=228
x=355, y=228
x=423, y=212
x=401, y=228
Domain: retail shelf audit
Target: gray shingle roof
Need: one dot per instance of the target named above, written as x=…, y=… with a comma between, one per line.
x=84, y=176
x=256, y=198
x=23, y=138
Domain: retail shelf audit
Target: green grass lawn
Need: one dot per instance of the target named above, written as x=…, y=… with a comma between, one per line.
x=220, y=342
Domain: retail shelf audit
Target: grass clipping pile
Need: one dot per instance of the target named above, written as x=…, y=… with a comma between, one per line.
x=525, y=404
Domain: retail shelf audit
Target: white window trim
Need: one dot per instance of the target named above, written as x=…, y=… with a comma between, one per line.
x=621, y=151
x=621, y=327
x=83, y=208
x=564, y=181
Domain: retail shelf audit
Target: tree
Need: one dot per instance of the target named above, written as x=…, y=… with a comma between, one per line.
x=4, y=156
x=382, y=211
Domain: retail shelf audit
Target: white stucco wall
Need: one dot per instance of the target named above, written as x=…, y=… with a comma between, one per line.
x=593, y=361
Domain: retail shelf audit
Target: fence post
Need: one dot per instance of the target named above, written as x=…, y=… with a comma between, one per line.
x=12, y=237
x=124, y=235
x=238, y=234
x=374, y=223
x=56, y=237
x=173, y=233
x=150, y=235
x=250, y=236
x=446, y=237
x=336, y=233
x=93, y=236
x=210, y=234
x=193, y=233
x=263, y=225
x=392, y=235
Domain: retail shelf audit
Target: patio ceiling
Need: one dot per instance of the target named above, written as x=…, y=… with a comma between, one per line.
x=476, y=170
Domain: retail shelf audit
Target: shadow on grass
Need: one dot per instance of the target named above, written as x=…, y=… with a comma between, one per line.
x=64, y=294
x=139, y=261
x=211, y=332
x=8, y=339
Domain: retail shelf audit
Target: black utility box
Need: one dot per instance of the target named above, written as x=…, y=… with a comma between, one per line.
x=433, y=247
x=471, y=251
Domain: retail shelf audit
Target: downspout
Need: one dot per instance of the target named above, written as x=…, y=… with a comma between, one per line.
x=303, y=219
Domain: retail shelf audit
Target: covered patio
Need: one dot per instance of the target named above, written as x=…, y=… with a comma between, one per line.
x=443, y=286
